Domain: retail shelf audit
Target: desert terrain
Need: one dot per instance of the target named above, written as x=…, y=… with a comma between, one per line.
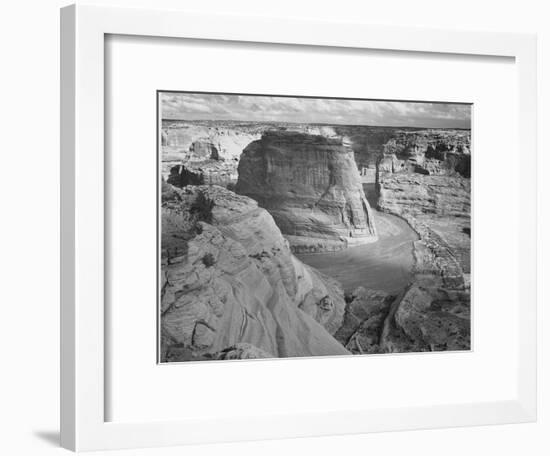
x=292, y=239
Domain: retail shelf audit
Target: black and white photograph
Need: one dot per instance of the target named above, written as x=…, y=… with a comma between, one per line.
x=275, y=228
x=302, y=226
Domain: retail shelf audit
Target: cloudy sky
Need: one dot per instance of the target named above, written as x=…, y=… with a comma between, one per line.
x=190, y=106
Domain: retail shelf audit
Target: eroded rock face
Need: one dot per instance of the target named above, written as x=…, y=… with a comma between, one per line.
x=427, y=152
x=364, y=319
x=191, y=141
x=210, y=152
x=311, y=186
x=424, y=178
x=424, y=317
x=428, y=318
x=228, y=278
x=181, y=176
x=413, y=194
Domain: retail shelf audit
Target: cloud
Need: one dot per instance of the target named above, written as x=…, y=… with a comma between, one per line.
x=200, y=106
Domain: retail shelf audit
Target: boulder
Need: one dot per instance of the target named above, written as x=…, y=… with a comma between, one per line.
x=427, y=319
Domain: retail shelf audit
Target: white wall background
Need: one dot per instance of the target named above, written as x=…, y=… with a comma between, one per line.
x=29, y=227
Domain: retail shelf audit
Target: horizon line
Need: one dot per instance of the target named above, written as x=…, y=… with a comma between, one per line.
x=316, y=123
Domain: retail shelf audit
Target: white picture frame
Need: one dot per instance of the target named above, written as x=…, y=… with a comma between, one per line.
x=83, y=396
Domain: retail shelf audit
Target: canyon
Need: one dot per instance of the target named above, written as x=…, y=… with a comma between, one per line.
x=422, y=177
x=286, y=240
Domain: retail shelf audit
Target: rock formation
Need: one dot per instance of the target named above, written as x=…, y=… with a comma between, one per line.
x=232, y=289
x=427, y=318
x=200, y=141
x=424, y=317
x=363, y=322
x=427, y=152
x=417, y=195
x=209, y=152
x=370, y=143
x=228, y=278
x=206, y=153
x=424, y=178
x=311, y=186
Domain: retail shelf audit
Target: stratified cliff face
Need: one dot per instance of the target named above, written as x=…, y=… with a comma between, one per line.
x=311, y=186
x=370, y=143
x=429, y=153
x=418, y=195
x=231, y=288
x=193, y=153
x=423, y=177
x=196, y=141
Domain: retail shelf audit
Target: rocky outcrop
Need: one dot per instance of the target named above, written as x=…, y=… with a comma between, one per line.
x=367, y=142
x=185, y=141
x=181, y=176
x=211, y=172
x=370, y=143
x=210, y=152
x=424, y=178
x=311, y=186
x=228, y=278
x=424, y=317
x=364, y=319
x=416, y=194
x=427, y=318
x=199, y=141
x=427, y=152
x=438, y=209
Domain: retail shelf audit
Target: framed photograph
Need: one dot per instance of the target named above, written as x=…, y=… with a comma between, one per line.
x=276, y=228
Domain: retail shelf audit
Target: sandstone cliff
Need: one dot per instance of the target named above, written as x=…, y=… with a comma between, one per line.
x=424, y=178
x=427, y=152
x=229, y=278
x=195, y=153
x=311, y=186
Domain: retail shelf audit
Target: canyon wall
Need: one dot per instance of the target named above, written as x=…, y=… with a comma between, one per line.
x=230, y=286
x=311, y=186
x=197, y=152
x=427, y=152
x=424, y=178
x=193, y=143
x=194, y=153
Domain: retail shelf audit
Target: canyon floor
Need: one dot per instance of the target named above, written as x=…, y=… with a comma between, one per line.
x=385, y=265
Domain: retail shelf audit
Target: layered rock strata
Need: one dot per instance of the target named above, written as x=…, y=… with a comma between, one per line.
x=427, y=152
x=424, y=178
x=426, y=181
x=209, y=152
x=311, y=186
x=228, y=278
